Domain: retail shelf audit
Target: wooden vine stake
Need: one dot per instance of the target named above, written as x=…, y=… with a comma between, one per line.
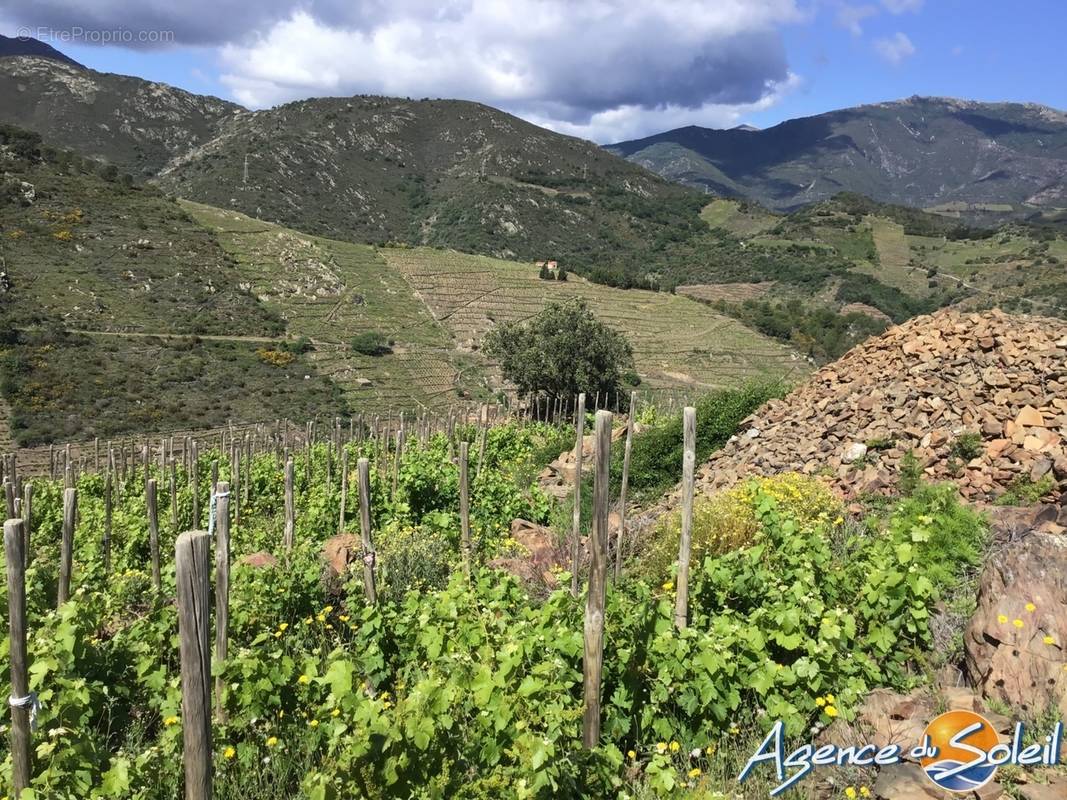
x=363, y=468
x=66, y=545
x=222, y=590
x=593, y=658
x=153, y=532
x=681, y=601
x=625, y=482
x=344, y=491
x=107, y=521
x=27, y=519
x=14, y=551
x=290, y=505
x=576, y=514
x=192, y=570
x=194, y=476
x=464, y=508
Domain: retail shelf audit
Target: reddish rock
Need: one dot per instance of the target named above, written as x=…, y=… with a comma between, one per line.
x=340, y=551
x=259, y=560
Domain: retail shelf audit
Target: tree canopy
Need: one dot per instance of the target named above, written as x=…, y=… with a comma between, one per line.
x=562, y=350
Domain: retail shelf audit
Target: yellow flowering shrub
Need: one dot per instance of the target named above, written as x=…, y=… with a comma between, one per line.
x=727, y=521
x=277, y=358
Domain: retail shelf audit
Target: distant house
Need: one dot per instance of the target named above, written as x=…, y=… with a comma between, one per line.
x=552, y=265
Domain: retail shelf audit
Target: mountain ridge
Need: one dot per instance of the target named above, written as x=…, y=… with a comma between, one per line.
x=918, y=151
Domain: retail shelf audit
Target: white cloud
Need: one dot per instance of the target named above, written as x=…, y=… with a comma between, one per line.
x=851, y=17
x=599, y=68
x=895, y=48
x=902, y=6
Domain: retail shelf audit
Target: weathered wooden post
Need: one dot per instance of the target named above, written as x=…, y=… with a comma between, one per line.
x=681, y=602
x=363, y=468
x=464, y=508
x=153, y=533
x=194, y=478
x=576, y=513
x=222, y=590
x=290, y=506
x=620, y=542
x=21, y=701
x=192, y=570
x=9, y=498
x=106, y=542
x=27, y=520
x=66, y=546
x=593, y=657
x=344, y=490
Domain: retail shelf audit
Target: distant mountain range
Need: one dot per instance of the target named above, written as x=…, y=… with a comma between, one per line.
x=922, y=151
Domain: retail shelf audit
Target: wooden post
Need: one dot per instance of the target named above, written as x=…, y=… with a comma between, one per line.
x=620, y=542
x=576, y=514
x=194, y=477
x=363, y=467
x=66, y=547
x=290, y=506
x=464, y=508
x=173, y=494
x=9, y=498
x=27, y=520
x=107, y=522
x=193, y=565
x=153, y=532
x=222, y=590
x=681, y=602
x=344, y=490
x=14, y=539
x=593, y=658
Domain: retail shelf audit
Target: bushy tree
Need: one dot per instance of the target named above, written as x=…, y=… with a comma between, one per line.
x=563, y=350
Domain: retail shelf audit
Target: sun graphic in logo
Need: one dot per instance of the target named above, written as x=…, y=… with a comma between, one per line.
x=959, y=742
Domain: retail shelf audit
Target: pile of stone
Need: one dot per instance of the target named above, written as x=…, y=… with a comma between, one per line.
x=977, y=398
x=557, y=479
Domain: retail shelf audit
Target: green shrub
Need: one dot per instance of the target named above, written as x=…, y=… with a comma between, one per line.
x=967, y=446
x=656, y=458
x=371, y=343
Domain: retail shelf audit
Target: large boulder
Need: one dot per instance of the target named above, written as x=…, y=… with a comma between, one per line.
x=536, y=555
x=340, y=551
x=1015, y=642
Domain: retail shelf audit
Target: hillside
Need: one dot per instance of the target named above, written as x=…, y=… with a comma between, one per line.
x=119, y=313
x=921, y=152
x=28, y=46
x=135, y=124
x=444, y=173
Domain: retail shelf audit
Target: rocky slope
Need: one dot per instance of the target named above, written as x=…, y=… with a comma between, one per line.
x=979, y=399
x=137, y=125
x=922, y=151
x=28, y=46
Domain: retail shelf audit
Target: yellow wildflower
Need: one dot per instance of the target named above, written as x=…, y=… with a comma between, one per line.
x=1001, y=619
x=229, y=752
x=343, y=617
x=830, y=711
x=304, y=679
x=336, y=712
x=631, y=754
x=1049, y=640
x=327, y=610
x=1031, y=607
x=694, y=772
x=168, y=721
x=271, y=741
x=284, y=626
x=661, y=747
x=320, y=617
x=1018, y=623
x=865, y=792
x=820, y=701
x=675, y=747
x=851, y=793
x=313, y=723
x=668, y=586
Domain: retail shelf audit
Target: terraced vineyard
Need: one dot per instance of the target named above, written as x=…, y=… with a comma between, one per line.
x=330, y=291
x=677, y=342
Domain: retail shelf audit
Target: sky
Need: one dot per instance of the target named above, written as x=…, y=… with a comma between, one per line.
x=605, y=70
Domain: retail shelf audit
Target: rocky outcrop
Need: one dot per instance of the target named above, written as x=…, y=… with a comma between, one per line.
x=977, y=398
x=1016, y=642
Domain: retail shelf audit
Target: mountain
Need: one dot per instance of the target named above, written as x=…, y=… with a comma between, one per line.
x=922, y=151
x=135, y=124
x=446, y=173
x=28, y=46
